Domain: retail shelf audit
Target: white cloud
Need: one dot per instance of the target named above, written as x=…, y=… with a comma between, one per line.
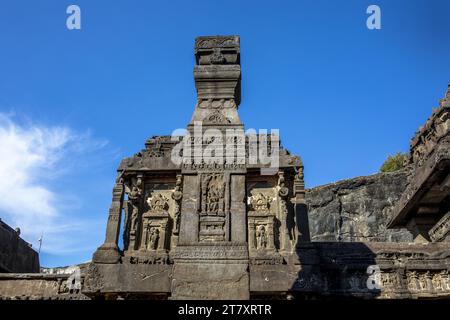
x=31, y=157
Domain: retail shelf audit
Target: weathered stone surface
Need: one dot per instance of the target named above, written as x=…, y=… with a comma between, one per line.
x=16, y=255
x=211, y=281
x=357, y=209
x=375, y=270
x=38, y=286
x=426, y=200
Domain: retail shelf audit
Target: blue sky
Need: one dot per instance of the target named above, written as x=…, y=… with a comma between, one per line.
x=344, y=97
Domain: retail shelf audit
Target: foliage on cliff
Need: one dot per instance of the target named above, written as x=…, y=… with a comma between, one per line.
x=394, y=162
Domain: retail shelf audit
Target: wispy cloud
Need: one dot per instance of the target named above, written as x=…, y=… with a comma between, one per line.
x=31, y=158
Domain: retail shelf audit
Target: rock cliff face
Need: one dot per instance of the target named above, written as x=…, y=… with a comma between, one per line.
x=357, y=209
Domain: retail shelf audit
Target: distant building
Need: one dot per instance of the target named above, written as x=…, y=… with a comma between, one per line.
x=16, y=255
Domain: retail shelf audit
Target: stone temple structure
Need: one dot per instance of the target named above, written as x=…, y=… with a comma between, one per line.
x=194, y=228
x=230, y=225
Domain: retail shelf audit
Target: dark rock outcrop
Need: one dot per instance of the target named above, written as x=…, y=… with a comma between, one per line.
x=357, y=209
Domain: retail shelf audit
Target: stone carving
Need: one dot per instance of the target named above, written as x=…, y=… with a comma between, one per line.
x=428, y=180
x=216, y=117
x=134, y=193
x=156, y=233
x=442, y=228
x=283, y=191
x=261, y=237
x=214, y=251
x=213, y=192
x=260, y=203
x=217, y=50
x=158, y=203
x=216, y=104
x=234, y=224
x=177, y=195
x=429, y=135
x=212, y=42
x=262, y=227
x=94, y=278
x=152, y=238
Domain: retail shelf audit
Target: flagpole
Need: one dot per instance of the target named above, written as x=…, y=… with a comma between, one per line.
x=40, y=242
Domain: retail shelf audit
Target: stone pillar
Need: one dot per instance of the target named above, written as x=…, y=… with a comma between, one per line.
x=108, y=252
x=144, y=235
x=300, y=208
x=251, y=235
x=270, y=234
x=189, y=219
x=162, y=236
x=216, y=267
x=238, y=212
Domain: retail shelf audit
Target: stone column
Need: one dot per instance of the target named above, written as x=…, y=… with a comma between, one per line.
x=189, y=215
x=238, y=212
x=162, y=236
x=251, y=235
x=144, y=234
x=300, y=208
x=270, y=234
x=108, y=252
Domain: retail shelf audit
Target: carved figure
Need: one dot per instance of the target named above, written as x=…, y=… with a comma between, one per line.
x=153, y=238
x=213, y=192
x=261, y=237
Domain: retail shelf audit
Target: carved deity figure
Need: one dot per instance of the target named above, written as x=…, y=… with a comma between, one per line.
x=134, y=199
x=261, y=237
x=134, y=196
x=213, y=191
x=177, y=195
x=153, y=237
x=436, y=281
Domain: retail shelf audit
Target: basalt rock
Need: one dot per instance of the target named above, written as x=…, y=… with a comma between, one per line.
x=357, y=209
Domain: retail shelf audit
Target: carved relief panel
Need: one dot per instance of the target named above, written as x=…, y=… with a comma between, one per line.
x=271, y=223
x=213, y=217
x=262, y=222
x=155, y=223
x=152, y=215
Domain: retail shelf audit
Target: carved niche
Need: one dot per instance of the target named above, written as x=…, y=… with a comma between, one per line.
x=261, y=222
x=155, y=223
x=212, y=207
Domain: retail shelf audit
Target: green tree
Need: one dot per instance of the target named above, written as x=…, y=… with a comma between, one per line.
x=394, y=162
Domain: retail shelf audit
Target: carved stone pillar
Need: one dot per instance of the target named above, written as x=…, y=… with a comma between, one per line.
x=251, y=235
x=162, y=239
x=211, y=258
x=270, y=235
x=108, y=252
x=189, y=216
x=238, y=214
x=300, y=208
